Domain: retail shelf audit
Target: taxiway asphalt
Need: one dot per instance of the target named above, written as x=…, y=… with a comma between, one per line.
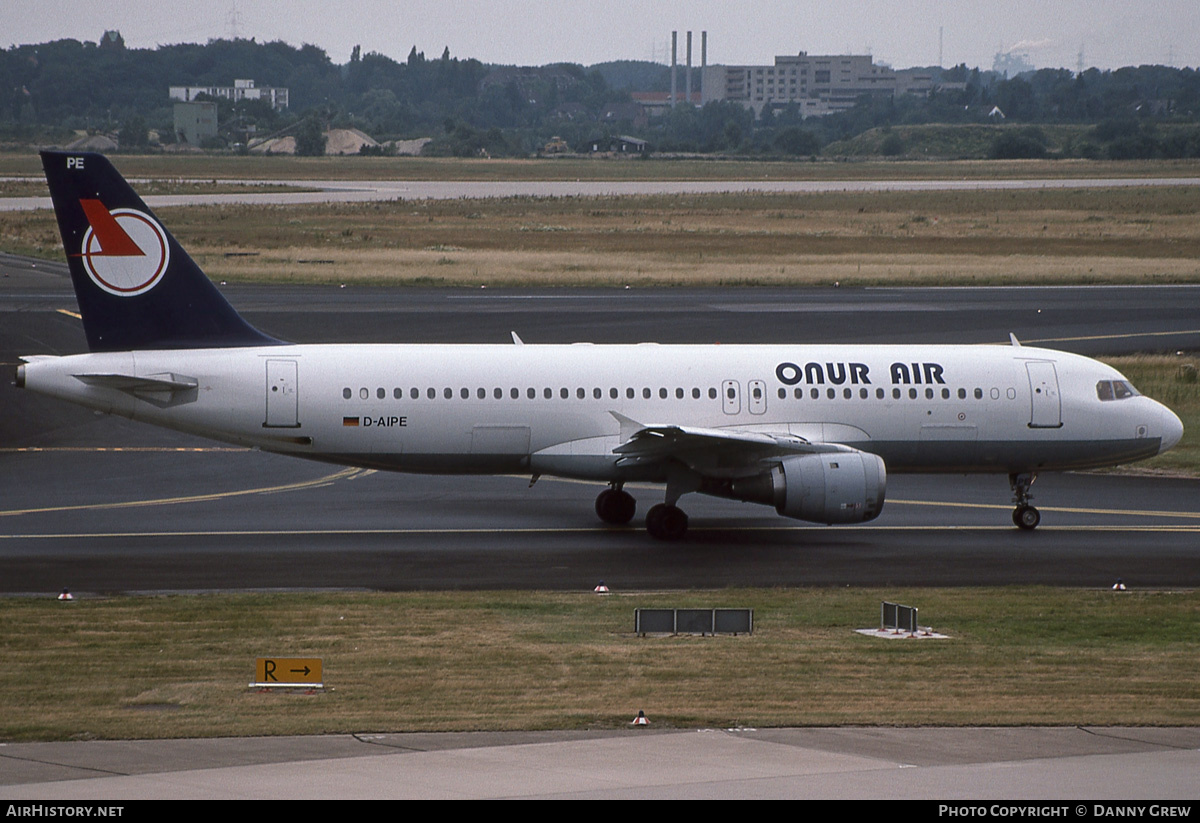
x=102, y=504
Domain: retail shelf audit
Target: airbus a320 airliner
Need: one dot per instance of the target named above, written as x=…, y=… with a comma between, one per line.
x=810, y=430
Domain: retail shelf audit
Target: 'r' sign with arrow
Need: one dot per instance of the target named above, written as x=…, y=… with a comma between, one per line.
x=288, y=671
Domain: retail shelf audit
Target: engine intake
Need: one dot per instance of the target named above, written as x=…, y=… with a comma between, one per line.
x=835, y=487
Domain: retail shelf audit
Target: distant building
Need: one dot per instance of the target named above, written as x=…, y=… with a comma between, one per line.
x=621, y=144
x=1010, y=64
x=921, y=82
x=658, y=103
x=817, y=84
x=195, y=122
x=240, y=90
x=112, y=40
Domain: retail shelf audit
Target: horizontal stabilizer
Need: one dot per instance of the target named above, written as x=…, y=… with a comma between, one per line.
x=165, y=382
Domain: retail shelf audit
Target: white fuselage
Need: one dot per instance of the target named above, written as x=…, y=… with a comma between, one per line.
x=557, y=409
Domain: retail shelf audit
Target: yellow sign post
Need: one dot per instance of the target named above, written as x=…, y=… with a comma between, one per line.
x=288, y=671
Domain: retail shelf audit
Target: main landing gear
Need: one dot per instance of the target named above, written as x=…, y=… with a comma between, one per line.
x=665, y=521
x=615, y=506
x=1025, y=516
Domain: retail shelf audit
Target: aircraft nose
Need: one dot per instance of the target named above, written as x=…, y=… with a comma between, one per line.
x=1172, y=429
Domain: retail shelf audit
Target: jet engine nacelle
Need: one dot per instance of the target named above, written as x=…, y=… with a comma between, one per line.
x=834, y=487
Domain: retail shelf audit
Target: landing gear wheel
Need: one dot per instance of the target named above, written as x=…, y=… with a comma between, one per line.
x=665, y=522
x=1026, y=518
x=615, y=506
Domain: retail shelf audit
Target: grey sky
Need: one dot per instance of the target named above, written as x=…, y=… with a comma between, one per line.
x=1111, y=33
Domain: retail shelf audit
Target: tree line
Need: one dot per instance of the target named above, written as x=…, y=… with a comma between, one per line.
x=469, y=107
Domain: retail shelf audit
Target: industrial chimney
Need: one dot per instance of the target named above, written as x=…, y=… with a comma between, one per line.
x=674, y=63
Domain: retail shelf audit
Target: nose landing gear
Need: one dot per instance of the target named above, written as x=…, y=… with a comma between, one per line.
x=1025, y=516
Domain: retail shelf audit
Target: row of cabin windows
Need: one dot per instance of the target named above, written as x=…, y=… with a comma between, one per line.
x=646, y=393
x=530, y=393
x=880, y=394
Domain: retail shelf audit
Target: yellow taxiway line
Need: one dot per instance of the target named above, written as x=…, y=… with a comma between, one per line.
x=344, y=474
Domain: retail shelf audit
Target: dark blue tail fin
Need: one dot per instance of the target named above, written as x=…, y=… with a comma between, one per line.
x=136, y=286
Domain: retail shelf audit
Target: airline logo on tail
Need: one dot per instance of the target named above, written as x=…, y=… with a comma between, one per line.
x=124, y=251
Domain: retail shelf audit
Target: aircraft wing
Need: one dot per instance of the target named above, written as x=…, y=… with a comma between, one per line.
x=713, y=451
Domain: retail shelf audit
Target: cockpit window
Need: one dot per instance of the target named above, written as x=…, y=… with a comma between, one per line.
x=1115, y=390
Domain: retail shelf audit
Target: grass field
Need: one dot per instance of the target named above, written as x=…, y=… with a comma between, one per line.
x=1139, y=235
x=1170, y=380
x=144, y=667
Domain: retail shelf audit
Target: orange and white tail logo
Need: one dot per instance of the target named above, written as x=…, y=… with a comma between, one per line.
x=124, y=251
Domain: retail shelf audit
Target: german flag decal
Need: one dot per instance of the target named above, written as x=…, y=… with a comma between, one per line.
x=349, y=421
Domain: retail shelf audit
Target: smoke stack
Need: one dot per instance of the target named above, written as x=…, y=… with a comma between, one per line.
x=688, y=84
x=674, y=63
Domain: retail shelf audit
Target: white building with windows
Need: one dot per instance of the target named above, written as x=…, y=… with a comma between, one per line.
x=240, y=90
x=817, y=84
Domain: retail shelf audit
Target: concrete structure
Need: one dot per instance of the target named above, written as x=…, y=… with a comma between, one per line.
x=921, y=82
x=657, y=103
x=240, y=90
x=195, y=122
x=689, y=97
x=818, y=84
